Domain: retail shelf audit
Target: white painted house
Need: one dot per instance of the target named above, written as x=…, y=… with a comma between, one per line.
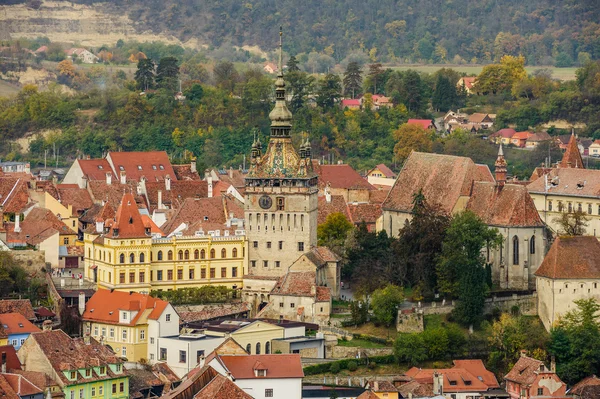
x=184, y=352
x=263, y=376
x=167, y=325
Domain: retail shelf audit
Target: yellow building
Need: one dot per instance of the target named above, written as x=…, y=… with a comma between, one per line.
x=127, y=322
x=129, y=254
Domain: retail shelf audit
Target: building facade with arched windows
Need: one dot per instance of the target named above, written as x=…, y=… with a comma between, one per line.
x=124, y=254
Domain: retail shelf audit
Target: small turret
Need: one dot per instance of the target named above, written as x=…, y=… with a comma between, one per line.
x=501, y=167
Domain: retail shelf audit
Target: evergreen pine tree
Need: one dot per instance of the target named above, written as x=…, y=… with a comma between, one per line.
x=352, y=79
x=444, y=94
x=292, y=64
x=167, y=73
x=144, y=76
x=374, y=78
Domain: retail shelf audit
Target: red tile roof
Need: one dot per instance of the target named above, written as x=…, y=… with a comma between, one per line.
x=16, y=323
x=367, y=395
x=477, y=368
x=128, y=220
x=323, y=294
x=154, y=165
x=65, y=353
x=455, y=379
x=349, y=102
x=387, y=172
x=572, y=258
x=540, y=136
x=507, y=206
x=379, y=195
x=78, y=198
x=22, y=306
x=504, y=133
x=589, y=384
x=95, y=169
x=341, y=176
x=235, y=177
x=521, y=135
x=325, y=254
x=425, y=123
x=206, y=383
x=296, y=284
x=12, y=361
x=21, y=385
x=277, y=366
x=336, y=205
x=184, y=172
x=190, y=313
x=14, y=196
x=6, y=391
x=443, y=179
x=113, y=193
x=524, y=371
x=478, y=117
x=368, y=213
x=469, y=81
x=572, y=156
x=37, y=378
x=104, y=306
x=179, y=192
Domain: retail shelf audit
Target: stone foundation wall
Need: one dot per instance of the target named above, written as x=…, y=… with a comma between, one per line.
x=345, y=352
x=410, y=322
x=527, y=304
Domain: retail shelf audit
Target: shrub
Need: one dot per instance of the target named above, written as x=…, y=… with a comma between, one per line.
x=334, y=368
x=372, y=365
x=352, y=366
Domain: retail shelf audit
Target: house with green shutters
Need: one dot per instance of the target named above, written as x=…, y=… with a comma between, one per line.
x=83, y=367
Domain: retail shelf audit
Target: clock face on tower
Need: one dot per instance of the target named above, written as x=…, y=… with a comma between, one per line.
x=265, y=202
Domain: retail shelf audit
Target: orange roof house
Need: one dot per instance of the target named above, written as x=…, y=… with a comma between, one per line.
x=104, y=307
x=468, y=83
x=14, y=329
x=530, y=378
x=572, y=157
x=519, y=139
x=425, y=123
x=351, y=103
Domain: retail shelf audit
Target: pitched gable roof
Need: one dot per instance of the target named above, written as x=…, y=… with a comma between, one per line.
x=9, y=353
x=153, y=165
x=277, y=366
x=179, y=191
x=128, y=220
x=506, y=133
x=572, y=156
x=16, y=323
x=443, y=179
x=387, y=172
x=524, y=371
x=337, y=204
x=104, y=307
x=341, y=176
x=469, y=81
x=455, y=379
x=14, y=196
x=425, y=123
x=296, y=284
x=21, y=385
x=6, y=390
x=206, y=383
x=78, y=198
x=509, y=205
x=586, y=387
x=22, y=306
x=477, y=368
x=95, y=169
x=572, y=258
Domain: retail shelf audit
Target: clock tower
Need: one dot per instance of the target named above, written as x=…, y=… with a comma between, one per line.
x=281, y=195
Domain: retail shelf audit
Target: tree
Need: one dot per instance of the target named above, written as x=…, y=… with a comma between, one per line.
x=329, y=91
x=410, y=348
x=225, y=75
x=300, y=87
x=572, y=223
x=375, y=77
x=385, y=303
x=444, y=94
x=144, y=76
x=194, y=93
x=333, y=232
x=352, y=79
x=167, y=73
x=66, y=69
x=460, y=267
x=292, y=65
x=411, y=137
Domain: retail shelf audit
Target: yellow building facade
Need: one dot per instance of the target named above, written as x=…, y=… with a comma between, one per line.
x=145, y=264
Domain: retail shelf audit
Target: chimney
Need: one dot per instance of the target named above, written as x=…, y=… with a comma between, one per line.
x=210, y=186
x=160, y=204
x=206, y=174
x=83, y=182
x=201, y=362
x=438, y=383
x=193, y=166
x=313, y=290
x=86, y=338
x=3, y=368
x=231, y=172
x=523, y=353
x=167, y=182
x=99, y=225
x=47, y=325
x=553, y=364
x=109, y=178
x=328, y=192
x=17, y=223
x=376, y=386
x=81, y=304
x=123, y=177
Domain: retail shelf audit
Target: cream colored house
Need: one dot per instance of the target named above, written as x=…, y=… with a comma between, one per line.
x=594, y=149
x=570, y=271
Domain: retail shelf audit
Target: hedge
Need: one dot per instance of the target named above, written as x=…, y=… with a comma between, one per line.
x=323, y=368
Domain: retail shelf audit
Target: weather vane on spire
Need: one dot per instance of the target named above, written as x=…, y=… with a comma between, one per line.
x=280, y=50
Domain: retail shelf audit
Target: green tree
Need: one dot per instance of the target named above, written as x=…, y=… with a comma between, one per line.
x=167, y=73
x=572, y=223
x=385, y=303
x=437, y=343
x=411, y=137
x=410, y=349
x=226, y=76
x=292, y=65
x=461, y=265
x=563, y=60
x=444, y=94
x=301, y=87
x=329, y=91
x=352, y=79
x=375, y=78
x=144, y=75
x=334, y=231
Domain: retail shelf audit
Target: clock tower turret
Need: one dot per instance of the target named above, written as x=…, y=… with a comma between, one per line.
x=281, y=195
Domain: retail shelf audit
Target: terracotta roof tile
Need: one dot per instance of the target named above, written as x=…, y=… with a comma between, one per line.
x=478, y=117
x=425, y=123
x=572, y=258
x=14, y=196
x=48, y=187
x=469, y=81
x=341, y=176
x=477, y=368
x=591, y=384
x=296, y=284
x=382, y=386
x=524, y=371
x=367, y=395
x=509, y=205
x=206, y=383
x=540, y=136
x=277, y=366
x=22, y=306
x=184, y=172
x=417, y=389
x=484, y=173
x=78, y=198
x=104, y=306
x=37, y=378
x=235, y=177
x=368, y=213
x=379, y=195
x=192, y=313
x=21, y=385
x=16, y=323
x=336, y=205
x=178, y=193
x=572, y=156
x=101, y=192
x=10, y=354
x=325, y=254
x=95, y=169
x=443, y=179
x=569, y=181
x=66, y=353
x=153, y=165
x=128, y=220
x=504, y=133
x=387, y=172
x=455, y=379
x=6, y=391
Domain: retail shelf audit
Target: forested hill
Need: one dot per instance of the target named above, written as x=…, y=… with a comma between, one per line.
x=399, y=30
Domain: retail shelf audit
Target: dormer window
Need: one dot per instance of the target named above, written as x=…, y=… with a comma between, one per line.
x=88, y=373
x=118, y=368
x=261, y=373
x=161, y=167
x=100, y=167
x=542, y=368
x=153, y=167
x=130, y=220
x=73, y=375
x=121, y=167
x=139, y=167
x=102, y=370
x=205, y=218
x=125, y=315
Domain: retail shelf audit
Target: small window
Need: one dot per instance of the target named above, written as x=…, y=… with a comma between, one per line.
x=196, y=254
x=223, y=272
x=203, y=254
x=180, y=255
x=280, y=304
x=100, y=167
x=159, y=255
x=269, y=393
x=163, y=354
x=168, y=317
x=169, y=275
x=139, y=167
x=300, y=246
x=589, y=209
x=212, y=272
x=277, y=263
x=248, y=348
x=280, y=203
x=182, y=357
x=153, y=167
x=234, y=253
x=161, y=167
x=258, y=348
x=73, y=375
x=212, y=253
x=122, y=258
x=223, y=253
x=121, y=386
x=170, y=255
x=532, y=245
x=292, y=305
x=253, y=263
x=121, y=167
x=265, y=263
x=234, y=272
x=550, y=205
x=540, y=391
x=255, y=243
x=280, y=244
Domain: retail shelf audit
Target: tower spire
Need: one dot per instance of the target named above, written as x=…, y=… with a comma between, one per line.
x=501, y=167
x=280, y=65
x=281, y=117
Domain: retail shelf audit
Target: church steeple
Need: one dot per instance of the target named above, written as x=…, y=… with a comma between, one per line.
x=281, y=117
x=572, y=157
x=501, y=167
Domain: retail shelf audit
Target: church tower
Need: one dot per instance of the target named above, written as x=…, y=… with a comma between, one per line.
x=281, y=194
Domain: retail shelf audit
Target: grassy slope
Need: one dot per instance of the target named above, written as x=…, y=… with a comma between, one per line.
x=558, y=73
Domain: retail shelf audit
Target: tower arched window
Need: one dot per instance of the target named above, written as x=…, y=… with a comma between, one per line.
x=186, y=255
x=122, y=258
x=131, y=258
x=159, y=255
x=532, y=245
x=180, y=255
x=223, y=253
x=142, y=258
x=515, y=242
x=258, y=348
x=248, y=348
x=267, y=348
x=212, y=253
x=203, y=254
x=196, y=254
x=170, y=255
x=234, y=252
